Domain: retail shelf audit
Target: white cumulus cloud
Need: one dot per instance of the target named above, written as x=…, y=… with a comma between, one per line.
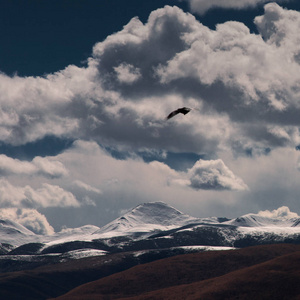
x=214, y=175
x=127, y=73
x=282, y=212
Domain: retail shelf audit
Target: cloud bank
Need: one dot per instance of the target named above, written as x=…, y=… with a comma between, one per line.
x=245, y=88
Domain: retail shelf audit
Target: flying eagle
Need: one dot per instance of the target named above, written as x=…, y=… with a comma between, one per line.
x=182, y=110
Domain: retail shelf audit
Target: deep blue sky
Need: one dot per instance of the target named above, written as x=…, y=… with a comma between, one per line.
x=45, y=36
x=39, y=37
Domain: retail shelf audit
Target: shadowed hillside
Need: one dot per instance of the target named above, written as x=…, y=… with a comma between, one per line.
x=275, y=279
x=261, y=272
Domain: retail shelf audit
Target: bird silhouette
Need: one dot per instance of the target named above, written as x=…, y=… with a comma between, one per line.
x=182, y=110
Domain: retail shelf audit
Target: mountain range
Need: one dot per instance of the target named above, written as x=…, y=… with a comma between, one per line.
x=147, y=228
x=147, y=233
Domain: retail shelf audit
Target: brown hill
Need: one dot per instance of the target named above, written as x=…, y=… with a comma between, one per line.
x=278, y=278
x=54, y=280
x=261, y=272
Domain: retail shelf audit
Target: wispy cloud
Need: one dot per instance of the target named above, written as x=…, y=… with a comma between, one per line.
x=39, y=165
x=202, y=6
x=86, y=187
x=46, y=196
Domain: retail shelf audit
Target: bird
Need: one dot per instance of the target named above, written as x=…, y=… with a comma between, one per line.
x=182, y=110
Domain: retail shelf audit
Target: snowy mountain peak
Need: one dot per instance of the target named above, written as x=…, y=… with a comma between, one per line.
x=14, y=233
x=157, y=213
x=148, y=217
x=256, y=220
x=11, y=227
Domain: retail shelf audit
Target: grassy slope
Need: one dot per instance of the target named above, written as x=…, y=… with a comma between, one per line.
x=260, y=272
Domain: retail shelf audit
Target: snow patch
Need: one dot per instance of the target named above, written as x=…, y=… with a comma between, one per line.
x=205, y=248
x=83, y=253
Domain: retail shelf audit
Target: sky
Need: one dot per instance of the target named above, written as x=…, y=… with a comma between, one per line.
x=85, y=88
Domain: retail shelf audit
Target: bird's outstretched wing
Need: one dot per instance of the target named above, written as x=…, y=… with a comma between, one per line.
x=172, y=114
x=182, y=110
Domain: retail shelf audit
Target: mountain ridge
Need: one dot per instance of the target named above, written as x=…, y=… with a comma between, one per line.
x=154, y=227
x=146, y=217
x=147, y=233
x=255, y=220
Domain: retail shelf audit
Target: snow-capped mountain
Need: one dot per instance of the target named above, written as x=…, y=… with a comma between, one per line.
x=148, y=227
x=147, y=218
x=9, y=227
x=256, y=220
x=14, y=233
